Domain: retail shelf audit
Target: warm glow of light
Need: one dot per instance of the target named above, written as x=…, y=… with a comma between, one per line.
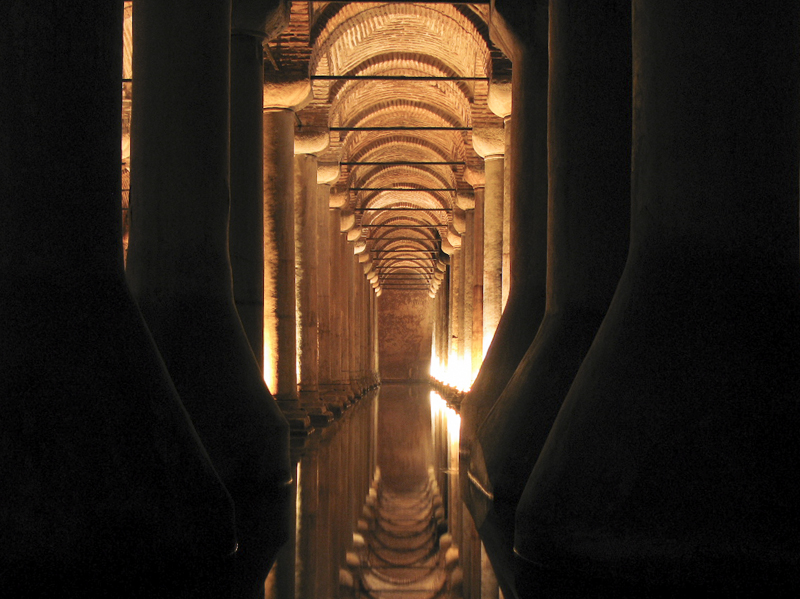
x=440, y=410
x=457, y=374
x=270, y=363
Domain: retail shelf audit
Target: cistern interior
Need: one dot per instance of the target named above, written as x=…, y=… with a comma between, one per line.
x=399, y=300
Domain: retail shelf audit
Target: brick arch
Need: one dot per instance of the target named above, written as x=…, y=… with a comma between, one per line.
x=353, y=34
x=396, y=146
x=379, y=175
x=367, y=102
x=450, y=145
x=403, y=63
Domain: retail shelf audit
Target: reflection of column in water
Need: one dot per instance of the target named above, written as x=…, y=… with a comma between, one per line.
x=404, y=435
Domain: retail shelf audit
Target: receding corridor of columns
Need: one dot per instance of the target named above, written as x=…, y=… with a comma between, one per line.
x=382, y=300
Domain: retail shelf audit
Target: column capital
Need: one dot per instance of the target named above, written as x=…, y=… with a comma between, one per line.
x=347, y=219
x=328, y=172
x=459, y=219
x=476, y=177
x=465, y=199
x=311, y=140
x=489, y=142
x=499, y=97
x=292, y=92
x=338, y=199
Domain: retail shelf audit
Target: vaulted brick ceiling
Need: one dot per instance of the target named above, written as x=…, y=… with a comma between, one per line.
x=400, y=85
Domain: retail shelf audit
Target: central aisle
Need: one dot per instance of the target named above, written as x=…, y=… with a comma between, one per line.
x=402, y=547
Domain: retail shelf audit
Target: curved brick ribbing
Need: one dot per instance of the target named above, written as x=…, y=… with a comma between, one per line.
x=180, y=273
x=362, y=101
x=355, y=34
x=107, y=489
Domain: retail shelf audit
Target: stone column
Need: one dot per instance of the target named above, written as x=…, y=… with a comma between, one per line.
x=326, y=236
x=528, y=166
x=490, y=145
x=107, y=490
x=455, y=307
x=307, y=144
x=351, y=316
x=467, y=203
x=588, y=223
x=280, y=335
x=477, y=280
x=343, y=303
x=499, y=101
x=252, y=23
x=679, y=433
x=179, y=269
x=337, y=305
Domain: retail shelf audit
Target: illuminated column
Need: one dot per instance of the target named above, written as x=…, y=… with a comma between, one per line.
x=179, y=269
x=342, y=302
x=477, y=180
x=499, y=102
x=363, y=337
x=588, y=224
x=467, y=203
x=327, y=236
x=338, y=299
x=280, y=335
x=679, y=433
x=107, y=490
x=455, y=306
x=353, y=272
x=308, y=143
x=376, y=367
x=490, y=145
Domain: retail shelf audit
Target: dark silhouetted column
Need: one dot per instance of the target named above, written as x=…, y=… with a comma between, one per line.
x=589, y=145
x=179, y=270
x=106, y=488
x=670, y=469
x=253, y=22
x=526, y=45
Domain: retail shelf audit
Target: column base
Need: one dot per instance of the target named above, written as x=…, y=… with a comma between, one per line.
x=335, y=403
x=298, y=419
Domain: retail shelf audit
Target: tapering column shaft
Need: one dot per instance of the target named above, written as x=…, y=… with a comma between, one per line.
x=528, y=165
x=698, y=349
x=107, y=490
x=179, y=266
x=492, y=248
x=588, y=224
x=337, y=300
x=506, y=212
x=456, y=269
x=280, y=336
x=467, y=294
x=477, y=284
x=324, y=284
x=306, y=217
x=246, y=232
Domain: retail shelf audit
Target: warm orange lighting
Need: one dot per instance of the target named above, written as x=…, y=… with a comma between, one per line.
x=457, y=373
x=270, y=359
x=440, y=410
